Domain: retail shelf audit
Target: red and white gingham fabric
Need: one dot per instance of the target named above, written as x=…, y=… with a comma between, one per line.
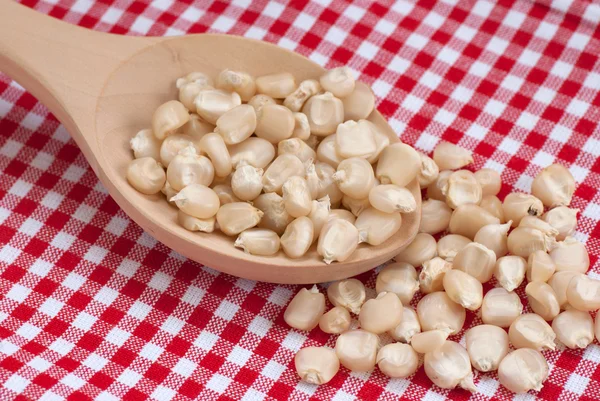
x=91, y=307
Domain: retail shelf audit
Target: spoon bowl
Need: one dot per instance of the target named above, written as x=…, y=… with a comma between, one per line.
x=105, y=88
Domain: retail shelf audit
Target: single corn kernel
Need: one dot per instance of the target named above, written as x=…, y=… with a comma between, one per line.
x=278, y=86
x=312, y=179
x=258, y=241
x=392, y=198
x=554, y=186
x=258, y=101
x=168, y=117
x=419, y=251
x=436, y=311
x=500, y=307
x=449, y=367
x=197, y=200
x=295, y=100
x=510, y=271
x=489, y=180
x=493, y=206
x=237, y=124
x=316, y=365
x=275, y=217
x=357, y=350
x=398, y=164
x=524, y=241
x=237, y=81
x=381, y=314
x=338, y=240
x=192, y=223
x=349, y=294
x=301, y=128
x=360, y=103
x=494, y=237
x=434, y=189
x=356, y=206
x=275, y=123
x=327, y=153
x=321, y=181
x=297, y=237
x=574, y=328
x=449, y=245
x=560, y=283
x=196, y=128
x=429, y=171
x=523, y=370
x=428, y=341
x=487, y=345
x=319, y=215
x=570, y=254
x=214, y=146
x=539, y=224
x=282, y=168
x=382, y=140
x=246, y=182
x=462, y=189
x=562, y=219
x=463, y=289
x=325, y=112
x=432, y=275
x=188, y=93
x=477, y=260
x=213, y=103
x=338, y=81
x=540, y=267
x=194, y=77
x=296, y=197
x=408, y=327
x=253, y=151
x=451, y=157
x=467, y=220
x=435, y=216
x=233, y=218
x=397, y=360
x=145, y=144
x=355, y=139
x=531, y=331
x=341, y=214
x=355, y=177
x=172, y=145
x=305, y=310
x=336, y=321
x=583, y=293
x=517, y=205
x=400, y=279
x=189, y=168
x=377, y=227
x=146, y=175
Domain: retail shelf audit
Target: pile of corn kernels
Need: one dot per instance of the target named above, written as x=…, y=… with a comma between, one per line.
x=524, y=238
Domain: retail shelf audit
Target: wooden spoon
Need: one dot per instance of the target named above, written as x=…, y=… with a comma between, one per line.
x=104, y=88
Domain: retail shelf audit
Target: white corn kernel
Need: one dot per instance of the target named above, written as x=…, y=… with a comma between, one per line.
x=168, y=117
x=145, y=144
x=428, y=341
x=493, y=206
x=357, y=350
x=316, y=365
x=560, y=284
x=189, y=92
x=466, y=220
x=500, y=307
x=451, y=157
x=429, y=171
x=462, y=188
x=338, y=81
x=258, y=101
x=356, y=206
x=256, y=152
x=336, y=321
x=463, y=289
x=392, y=198
x=301, y=127
x=562, y=219
x=408, y=327
x=487, y=345
x=449, y=245
x=355, y=177
x=214, y=146
x=494, y=237
x=196, y=128
x=570, y=254
x=540, y=267
x=341, y=214
x=275, y=123
x=282, y=168
x=225, y=194
x=275, y=217
x=477, y=260
x=192, y=223
x=278, y=86
x=531, y=331
x=435, y=216
x=419, y=251
x=437, y=311
x=305, y=309
x=189, y=168
x=296, y=147
x=246, y=182
x=398, y=164
x=321, y=180
x=325, y=112
x=258, y=241
x=327, y=153
x=377, y=227
x=574, y=328
x=381, y=314
x=319, y=215
x=400, y=279
x=434, y=189
x=355, y=139
x=194, y=77
x=539, y=224
x=524, y=241
x=198, y=201
x=349, y=294
x=382, y=140
x=517, y=205
x=337, y=241
x=360, y=103
x=449, y=367
x=523, y=370
x=297, y=237
x=489, y=180
x=397, y=360
x=213, y=103
x=296, y=197
x=583, y=293
x=172, y=145
x=554, y=186
x=237, y=124
x=432, y=275
x=146, y=175
x=233, y=218
x=295, y=100
x=237, y=81
x=510, y=271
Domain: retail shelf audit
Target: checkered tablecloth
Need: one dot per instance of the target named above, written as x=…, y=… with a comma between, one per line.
x=91, y=307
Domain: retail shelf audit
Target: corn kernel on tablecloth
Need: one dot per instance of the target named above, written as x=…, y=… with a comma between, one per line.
x=91, y=307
